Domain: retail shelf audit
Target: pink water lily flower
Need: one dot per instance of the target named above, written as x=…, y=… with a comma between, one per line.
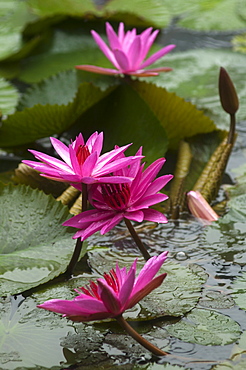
x=127, y=52
x=112, y=295
x=114, y=202
x=82, y=162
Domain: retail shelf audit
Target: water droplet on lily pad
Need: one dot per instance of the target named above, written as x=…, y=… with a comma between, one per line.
x=181, y=256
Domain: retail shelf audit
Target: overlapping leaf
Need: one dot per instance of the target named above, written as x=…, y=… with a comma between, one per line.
x=34, y=246
x=8, y=97
x=179, y=118
x=206, y=327
x=45, y=120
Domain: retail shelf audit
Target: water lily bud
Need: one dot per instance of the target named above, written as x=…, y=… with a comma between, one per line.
x=227, y=91
x=200, y=208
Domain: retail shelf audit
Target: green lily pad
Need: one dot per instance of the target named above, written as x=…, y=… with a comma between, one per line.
x=213, y=15
x=239, y=291
x=14, y=16
x=49, y=119
x=159, y=367
x=206, y=327
x=124, y=117
x=8, y=97
x=216, y=300
x=237, y=361
x=49, y=338
x=47, y=8
x=228, y=365
x=22, y=332
x=35, y=247
x=179, y=118
x=147, y=12
x=171, y=298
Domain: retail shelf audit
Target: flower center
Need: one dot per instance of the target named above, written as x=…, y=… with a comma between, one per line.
x=82, y=153
x=116, y=195
x=111, y=279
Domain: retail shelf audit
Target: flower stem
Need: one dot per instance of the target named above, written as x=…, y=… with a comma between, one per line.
x=79, y=243
x=137, y=240
x=155, y=350
x=231, y=135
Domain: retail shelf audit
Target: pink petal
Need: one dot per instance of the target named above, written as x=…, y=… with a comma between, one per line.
x=89, y=304
x=122, y=60
x=109, y=297
x=65, y=307
x=158, y=184
x=51, y=161
x=146, y=40
x=100, y=70
x=104, y=48
x=154, y=57
x=134, y=167
x=146, y=202
x=112, y=37
x=142, y=73
x=121, y=32
x=89, y=164
x=115, y=165
x=114, y=179
x=154, y=216
x=79, y=140
x=90, y=230
x=61, y=149
x=157, y=70
x=150, y=269
x=140, y=294
x=112, y=223
x=134, y=54
x=97, y=145
x=126, y=288
x=150, y=173
x=75, y=164
x=134, y=215
x=150, y=41
x=110, y=156
x=89, y=216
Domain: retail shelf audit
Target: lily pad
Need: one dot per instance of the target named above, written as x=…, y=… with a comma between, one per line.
x=179, y=118
x=237, y=360
x=49, y=119
x=213, y=15
x=228, y=365
x=26, y=327
x=14, y=16
x=8, y=97
x=216, y=300
x=125, y=117
x=206, y=327
x=159, y=367
x=47, y=8
x=35, y=247
x=239, y=291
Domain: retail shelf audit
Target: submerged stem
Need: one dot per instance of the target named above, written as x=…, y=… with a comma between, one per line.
x=137, y=240
x=79, y=243
x=153, y=349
